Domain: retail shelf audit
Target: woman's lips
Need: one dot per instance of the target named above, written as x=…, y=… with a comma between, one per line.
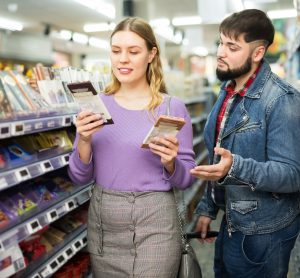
x=125, y=70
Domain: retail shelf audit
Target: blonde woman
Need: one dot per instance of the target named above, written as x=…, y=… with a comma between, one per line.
x=133, y=227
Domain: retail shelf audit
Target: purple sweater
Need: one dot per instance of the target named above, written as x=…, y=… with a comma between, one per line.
x=119, y=163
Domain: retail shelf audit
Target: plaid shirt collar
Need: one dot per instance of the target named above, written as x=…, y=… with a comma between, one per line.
x=230, y=85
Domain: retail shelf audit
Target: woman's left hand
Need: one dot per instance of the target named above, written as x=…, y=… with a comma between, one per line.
x=167, y=148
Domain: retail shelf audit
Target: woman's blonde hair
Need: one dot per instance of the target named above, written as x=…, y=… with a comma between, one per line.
x=154, y=71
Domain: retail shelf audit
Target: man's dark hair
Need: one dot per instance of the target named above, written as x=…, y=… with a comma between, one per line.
x=252, y=23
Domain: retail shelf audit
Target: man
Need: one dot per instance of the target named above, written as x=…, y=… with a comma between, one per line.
x=252, y=135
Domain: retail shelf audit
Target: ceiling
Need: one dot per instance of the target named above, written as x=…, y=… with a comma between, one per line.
x=67, y=14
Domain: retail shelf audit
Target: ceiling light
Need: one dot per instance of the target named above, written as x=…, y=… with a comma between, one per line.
x=282, y=13
x=65, y=35
x=190, y=20
x=99, y=27
x=201, y=51
x=99, y=43
x=159, y=22
x=80, y=38
x=100, y=6
x=10, y=25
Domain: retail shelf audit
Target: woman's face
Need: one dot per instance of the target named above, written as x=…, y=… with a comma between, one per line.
x=130, y=57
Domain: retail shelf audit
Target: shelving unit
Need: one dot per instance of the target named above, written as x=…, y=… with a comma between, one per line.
x=199, y=108
x=39, y=218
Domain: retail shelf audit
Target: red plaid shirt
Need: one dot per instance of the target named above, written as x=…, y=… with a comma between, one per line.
x=231, y=92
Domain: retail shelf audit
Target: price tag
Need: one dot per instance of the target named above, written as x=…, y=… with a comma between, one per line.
x=33, y=226
x=61, y=259
x=65, y=159
x=36, y=276
x=4, y=131
x=52, y=215
x=84, y=241
x=51, y=123
x=70, y=205
x=53, y=266
x=1, y=247
x=69, y=253
x=47, y=271
x=67, y=121
x=3, y=183
x=17, y=128
x=46, y=166
x=77, y=245
x=22, y=174
x=38, y=125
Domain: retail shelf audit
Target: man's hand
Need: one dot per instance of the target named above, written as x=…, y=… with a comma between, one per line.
x=216, y=171
x=203, y=225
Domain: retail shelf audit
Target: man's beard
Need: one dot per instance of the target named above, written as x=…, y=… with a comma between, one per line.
x=234, y=73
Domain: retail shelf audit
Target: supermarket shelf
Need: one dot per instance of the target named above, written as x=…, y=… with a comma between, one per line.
x=197, y=140
x=29, y=126
x=201, y=157
x=48, y=264
x=199, y=119
x=190, y=192
x=198, y=99
x=26, y=172
x=27, y=227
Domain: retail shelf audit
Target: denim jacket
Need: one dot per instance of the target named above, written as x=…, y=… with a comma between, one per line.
x=262, y=188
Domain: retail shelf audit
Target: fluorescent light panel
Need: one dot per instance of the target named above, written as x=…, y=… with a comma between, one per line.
x=282, y=13
x=99, y=27
x=100, y=6
x=99, y=43
x=189, y=20
x=159, y=22
x=10, y=25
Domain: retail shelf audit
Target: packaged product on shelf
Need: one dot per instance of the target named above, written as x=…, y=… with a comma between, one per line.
x=4, y=218
x=6, y=111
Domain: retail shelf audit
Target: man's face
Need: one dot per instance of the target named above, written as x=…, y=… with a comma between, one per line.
x=234, y=58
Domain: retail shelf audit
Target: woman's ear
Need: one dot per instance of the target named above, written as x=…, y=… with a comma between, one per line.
x=259, y=53
x=152, y=54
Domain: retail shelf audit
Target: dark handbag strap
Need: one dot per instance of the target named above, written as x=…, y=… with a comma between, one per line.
x=181, y=220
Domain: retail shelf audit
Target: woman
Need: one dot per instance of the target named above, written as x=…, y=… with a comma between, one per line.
x=133, y=226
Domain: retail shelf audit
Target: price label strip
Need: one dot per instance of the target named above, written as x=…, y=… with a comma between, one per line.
x=70, y=205
x=47, y=166
x=52, y=215
x=67, y=121
x=51, y=124
x=38, y=125
x=18, y=129
x=33, y=226
x=61, y=259
x=77, y=245
x=22, y=174
x=65, y=159
x=4, y=130
x=69, y=253
x=3, y=183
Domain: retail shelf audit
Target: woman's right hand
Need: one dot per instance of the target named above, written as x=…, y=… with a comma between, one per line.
x=87, y=123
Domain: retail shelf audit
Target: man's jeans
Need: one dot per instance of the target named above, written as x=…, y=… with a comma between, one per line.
x=259, y=256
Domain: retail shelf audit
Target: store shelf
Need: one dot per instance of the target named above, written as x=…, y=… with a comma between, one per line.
x=17, y=233
x=197, y=99
x=23, y=173
x=197, y=140
x=29, y=126
x=201, y=157
x=48, y=264
x=199, y=119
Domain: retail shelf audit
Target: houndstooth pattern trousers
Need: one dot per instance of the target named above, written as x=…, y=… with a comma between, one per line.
x=133, y=234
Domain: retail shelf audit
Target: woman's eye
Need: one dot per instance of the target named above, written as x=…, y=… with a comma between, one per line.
x=133, y=52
